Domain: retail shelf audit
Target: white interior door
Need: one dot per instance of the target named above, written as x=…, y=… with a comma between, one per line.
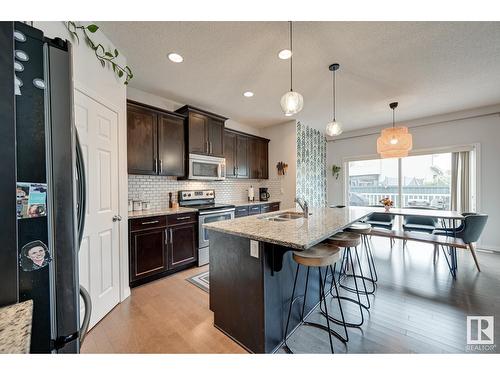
x=99, y=264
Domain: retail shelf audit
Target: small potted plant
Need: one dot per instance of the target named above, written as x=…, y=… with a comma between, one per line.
x=387, y=202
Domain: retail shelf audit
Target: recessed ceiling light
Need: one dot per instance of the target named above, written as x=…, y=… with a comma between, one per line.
x=285, y=54
x=248, y=94
x=175, y=57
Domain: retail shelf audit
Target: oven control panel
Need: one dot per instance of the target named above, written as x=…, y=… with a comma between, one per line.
x=186, y=195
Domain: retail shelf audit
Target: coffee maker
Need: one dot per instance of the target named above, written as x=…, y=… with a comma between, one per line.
x=263, y=194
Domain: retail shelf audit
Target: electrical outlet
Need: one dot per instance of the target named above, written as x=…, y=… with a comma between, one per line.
x=254, y=249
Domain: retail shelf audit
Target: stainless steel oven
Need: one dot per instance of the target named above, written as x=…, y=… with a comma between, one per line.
x=210, y=217
x=208, y=212
x=202, y=167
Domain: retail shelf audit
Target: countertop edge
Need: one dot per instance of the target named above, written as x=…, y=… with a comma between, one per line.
x=165, y=212
x=283, y=243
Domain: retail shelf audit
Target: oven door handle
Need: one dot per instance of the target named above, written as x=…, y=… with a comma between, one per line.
x=216, y=212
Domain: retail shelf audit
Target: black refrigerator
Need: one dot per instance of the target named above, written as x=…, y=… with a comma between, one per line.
x=42, y=188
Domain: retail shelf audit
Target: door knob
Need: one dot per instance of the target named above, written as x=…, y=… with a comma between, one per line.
x=117, y=218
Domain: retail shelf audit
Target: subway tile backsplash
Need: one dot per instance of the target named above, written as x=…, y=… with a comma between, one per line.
x=155, y=189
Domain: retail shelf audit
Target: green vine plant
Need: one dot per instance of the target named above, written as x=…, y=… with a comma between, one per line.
x=104, y=56
x=335, y=171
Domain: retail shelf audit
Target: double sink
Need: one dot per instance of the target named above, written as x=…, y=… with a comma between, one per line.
x=286, y=216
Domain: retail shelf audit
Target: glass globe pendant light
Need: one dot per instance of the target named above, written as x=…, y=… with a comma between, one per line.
x=291, y=102
x=394, y=142
x=333, y=128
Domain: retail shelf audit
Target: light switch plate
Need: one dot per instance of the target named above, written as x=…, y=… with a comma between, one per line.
x=254, y=249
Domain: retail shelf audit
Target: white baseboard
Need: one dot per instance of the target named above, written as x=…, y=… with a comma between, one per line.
x=488, y=248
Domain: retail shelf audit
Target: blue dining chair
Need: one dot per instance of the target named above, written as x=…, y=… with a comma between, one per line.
x=424, y=224
x=416, y=223
x=381, y=220
x=469, y=231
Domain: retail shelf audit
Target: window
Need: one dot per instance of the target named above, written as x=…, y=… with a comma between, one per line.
x=422, y=181
x=372, y=180
x=426, y=181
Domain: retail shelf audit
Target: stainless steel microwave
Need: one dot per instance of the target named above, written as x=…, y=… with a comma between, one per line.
x=202, y=167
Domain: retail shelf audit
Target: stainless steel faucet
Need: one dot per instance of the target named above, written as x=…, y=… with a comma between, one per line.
x=304, y=206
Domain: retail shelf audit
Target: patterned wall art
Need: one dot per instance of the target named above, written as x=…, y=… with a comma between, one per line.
x=311, y=165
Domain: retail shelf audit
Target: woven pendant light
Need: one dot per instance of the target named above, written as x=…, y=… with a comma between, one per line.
x=394, y=142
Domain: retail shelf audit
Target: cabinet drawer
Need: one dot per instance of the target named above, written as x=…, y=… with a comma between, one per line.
x=265, y=208
x=181, y=218
x=241, y=211
x=254, y=210
x=275, y=206
x=147, y=223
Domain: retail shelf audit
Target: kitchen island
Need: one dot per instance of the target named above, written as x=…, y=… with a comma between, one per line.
x=252, y=271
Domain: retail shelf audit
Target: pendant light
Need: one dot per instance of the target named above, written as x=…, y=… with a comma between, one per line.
x=292, y=102
x=333, y=128
x=394, y=142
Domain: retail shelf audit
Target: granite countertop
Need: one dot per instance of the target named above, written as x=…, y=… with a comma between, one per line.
x=160, y=212
x=247, y=203
x=296, y=233
x=15, y=328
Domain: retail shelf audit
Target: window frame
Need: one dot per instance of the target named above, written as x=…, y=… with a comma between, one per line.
x=473, y=148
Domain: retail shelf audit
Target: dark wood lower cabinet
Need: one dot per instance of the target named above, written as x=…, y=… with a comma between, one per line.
x=159, y=247
x=147, y=253
x=182, y=245
x=256, y=209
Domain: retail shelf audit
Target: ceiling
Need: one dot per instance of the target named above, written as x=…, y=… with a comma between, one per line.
x=429, y=67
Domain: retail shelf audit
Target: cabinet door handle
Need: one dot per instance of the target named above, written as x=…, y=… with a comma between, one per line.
x=171, y=237
x=150, y=222
x=184, y=217
x=207, y=147
x=161, y=166
x=211, y=149
x=156, y=165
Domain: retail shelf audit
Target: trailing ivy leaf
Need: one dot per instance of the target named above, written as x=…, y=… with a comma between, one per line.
x=114, y=66
x=92, y=28
x=116, y=52
x=120, y=73
x=109, y=54
x=103, y=63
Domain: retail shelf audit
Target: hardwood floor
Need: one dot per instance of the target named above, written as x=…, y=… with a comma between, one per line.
x=417, y=308
x=169, y=315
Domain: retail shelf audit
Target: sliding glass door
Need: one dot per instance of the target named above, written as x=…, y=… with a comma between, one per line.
x=372, y=180
x=422, y=181
x=426, y=181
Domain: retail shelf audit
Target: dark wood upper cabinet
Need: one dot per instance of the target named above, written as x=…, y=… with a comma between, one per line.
x=171, y=145
x=242, y=156
x=246, y=155
x=197, y=130
x=205, y=131
x=141, y=140
x=259, y=158
x=155, y=141
x=216, y=136
x=230, y=153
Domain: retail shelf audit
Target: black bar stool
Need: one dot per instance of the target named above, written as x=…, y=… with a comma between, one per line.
x=321, y=255
x=349, y=240
x=364, y=230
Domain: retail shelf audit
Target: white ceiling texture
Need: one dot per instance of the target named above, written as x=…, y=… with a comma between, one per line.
x=429, y=67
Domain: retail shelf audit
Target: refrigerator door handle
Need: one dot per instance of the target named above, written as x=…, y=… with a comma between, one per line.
x=88, y=310
x=82, y=193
